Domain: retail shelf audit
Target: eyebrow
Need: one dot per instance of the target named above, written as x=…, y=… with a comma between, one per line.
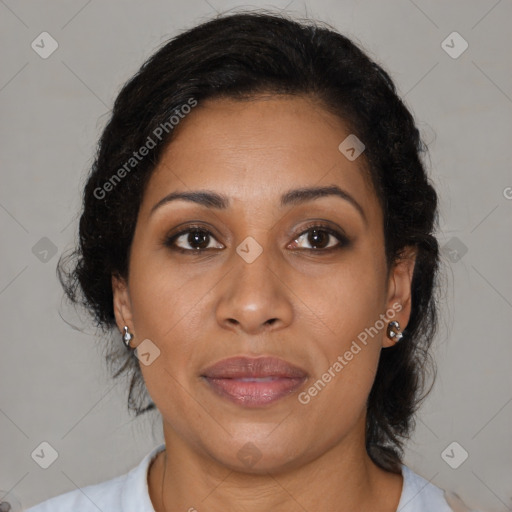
x=294, y=197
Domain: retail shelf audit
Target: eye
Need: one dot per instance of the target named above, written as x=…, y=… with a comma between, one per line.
x=193, y=239
x=321, y=238
x=197, y=239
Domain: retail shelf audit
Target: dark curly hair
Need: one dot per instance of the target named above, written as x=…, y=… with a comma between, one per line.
x=239, y=56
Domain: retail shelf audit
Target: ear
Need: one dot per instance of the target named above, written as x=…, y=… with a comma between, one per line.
x=122, y=303
x=399, y=289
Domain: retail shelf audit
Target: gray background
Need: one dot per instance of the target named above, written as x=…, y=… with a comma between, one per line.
x=54, y=384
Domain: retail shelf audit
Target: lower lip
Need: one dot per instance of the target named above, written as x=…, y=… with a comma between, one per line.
x=254, y=393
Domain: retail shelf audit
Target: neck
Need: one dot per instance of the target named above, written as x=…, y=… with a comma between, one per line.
x=345, y=476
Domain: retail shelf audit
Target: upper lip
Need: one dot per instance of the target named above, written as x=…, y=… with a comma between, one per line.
x=244, y=367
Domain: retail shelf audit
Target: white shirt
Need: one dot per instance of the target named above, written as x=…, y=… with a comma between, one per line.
x=129, y=493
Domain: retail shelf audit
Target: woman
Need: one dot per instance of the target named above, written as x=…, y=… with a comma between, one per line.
x=259, y=226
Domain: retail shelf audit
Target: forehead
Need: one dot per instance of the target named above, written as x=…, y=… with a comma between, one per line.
x=254, y=150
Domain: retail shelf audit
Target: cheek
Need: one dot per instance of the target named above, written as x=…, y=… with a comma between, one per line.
x=345, y=366
x=344, y=298
x=165, y=296
x=166, y=304
x=348, y=306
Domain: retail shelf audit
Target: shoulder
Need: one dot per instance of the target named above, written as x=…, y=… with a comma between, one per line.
x=125, y=493
x=103, y=495
x=419, y=495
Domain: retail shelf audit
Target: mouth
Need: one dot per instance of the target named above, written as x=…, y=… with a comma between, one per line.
x=254, y=382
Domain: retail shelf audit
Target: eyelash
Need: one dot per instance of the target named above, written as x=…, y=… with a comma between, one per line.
x=343, y=241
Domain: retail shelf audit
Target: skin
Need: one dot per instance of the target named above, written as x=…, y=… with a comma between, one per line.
x=201, y=308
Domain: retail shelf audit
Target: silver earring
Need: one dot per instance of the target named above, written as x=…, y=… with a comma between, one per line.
x=127, y=336
x=394, y=331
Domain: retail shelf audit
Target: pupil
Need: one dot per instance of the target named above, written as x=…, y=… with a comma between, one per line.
x=317, y=237
x=198, y=238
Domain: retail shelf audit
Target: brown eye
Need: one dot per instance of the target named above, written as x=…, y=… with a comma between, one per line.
x=321, y=238
x=192, y=240
x=318, y=238
x=198, y=239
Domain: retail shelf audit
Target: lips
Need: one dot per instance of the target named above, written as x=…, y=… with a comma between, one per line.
x=253, y=382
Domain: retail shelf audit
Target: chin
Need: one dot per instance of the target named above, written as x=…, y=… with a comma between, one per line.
x=260, y=454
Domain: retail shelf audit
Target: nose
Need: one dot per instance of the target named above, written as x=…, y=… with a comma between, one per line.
x=254, y=298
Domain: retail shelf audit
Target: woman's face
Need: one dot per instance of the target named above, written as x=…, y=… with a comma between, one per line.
x=264, y=283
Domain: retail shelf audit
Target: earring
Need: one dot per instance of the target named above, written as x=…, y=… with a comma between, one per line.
x=127, y=336
x=394, y=331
